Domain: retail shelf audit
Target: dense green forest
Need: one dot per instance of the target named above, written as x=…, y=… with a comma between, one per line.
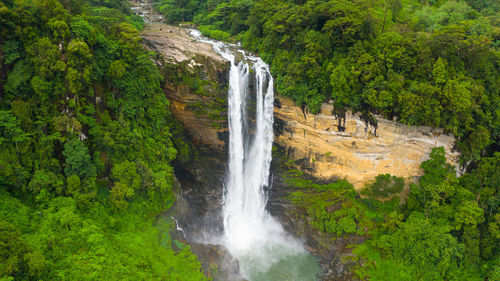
x=87, y=141
x=85, y=147
x=425, y=62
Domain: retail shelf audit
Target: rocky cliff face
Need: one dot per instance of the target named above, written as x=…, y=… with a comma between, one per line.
x=198, y=97
x=322, y=145
x=328, y=147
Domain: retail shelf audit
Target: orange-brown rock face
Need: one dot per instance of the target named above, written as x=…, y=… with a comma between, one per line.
x=201, y=128
x=359, y=153
x=198, y=98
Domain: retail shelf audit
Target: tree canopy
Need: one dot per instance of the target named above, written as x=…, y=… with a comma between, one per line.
x=85, y=147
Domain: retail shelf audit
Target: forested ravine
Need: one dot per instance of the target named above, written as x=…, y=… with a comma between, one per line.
x=242, y=140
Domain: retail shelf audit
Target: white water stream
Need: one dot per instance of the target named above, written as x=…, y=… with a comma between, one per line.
x=263, y=248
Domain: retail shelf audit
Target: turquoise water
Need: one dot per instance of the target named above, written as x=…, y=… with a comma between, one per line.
x=302, y=267
x=279, y=263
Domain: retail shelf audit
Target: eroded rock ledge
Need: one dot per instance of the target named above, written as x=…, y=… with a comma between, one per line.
x=327, y=147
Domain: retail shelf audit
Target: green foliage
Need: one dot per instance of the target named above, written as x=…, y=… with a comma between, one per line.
x=63, y=242
x=429, y=247
x=440, y=233
x=45, y=181
x=446, y=230
x=85, y=147
x=10, y=129
x=12, y=248
x=78, y=161
x=211, y=31
x=127, y=181
x=384, y=186
x=332, y=208
x=178, y=10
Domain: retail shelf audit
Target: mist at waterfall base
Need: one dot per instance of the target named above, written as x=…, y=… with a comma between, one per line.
x=265, y=251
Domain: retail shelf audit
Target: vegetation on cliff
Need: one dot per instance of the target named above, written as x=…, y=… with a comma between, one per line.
x=85, y=147
x=446, y=229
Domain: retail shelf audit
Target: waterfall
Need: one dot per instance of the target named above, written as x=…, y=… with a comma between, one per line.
x=263, y=248
x=245, y=217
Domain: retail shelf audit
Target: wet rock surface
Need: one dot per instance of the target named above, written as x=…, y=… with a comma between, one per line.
x=145, y=9
x=218, y=262
x=198, y=212
x=199, y=203
x=329, y=146
x=329, y=250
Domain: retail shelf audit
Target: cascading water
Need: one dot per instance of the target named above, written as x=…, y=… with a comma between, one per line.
x=263, y=248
